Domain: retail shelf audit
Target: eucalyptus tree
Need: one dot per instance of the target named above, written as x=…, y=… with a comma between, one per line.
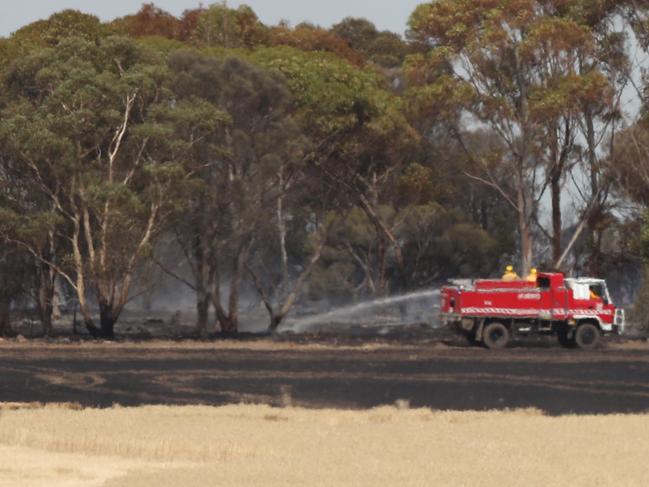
x=245, y=171
x=522, y=73
x=359, y=136
x=384, y=48
x=84, y=122
x=224, y=27
x=17, y=271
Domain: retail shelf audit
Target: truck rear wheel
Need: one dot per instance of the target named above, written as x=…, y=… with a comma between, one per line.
x=587, y=336
x=495, y=336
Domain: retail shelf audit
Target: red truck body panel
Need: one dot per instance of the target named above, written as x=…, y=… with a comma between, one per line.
x=550, y=299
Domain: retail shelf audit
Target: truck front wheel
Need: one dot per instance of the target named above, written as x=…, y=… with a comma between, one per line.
x=495, y=336
x=587, y=336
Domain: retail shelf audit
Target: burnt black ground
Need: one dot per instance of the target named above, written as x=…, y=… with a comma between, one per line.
x=428, y=374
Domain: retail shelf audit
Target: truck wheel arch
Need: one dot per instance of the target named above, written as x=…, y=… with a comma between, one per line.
x=590, y=320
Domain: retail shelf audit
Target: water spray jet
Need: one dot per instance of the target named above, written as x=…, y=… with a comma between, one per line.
x=347, y=312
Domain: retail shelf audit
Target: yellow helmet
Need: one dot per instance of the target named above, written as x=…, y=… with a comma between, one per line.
x=533, y=271
x=510, y=268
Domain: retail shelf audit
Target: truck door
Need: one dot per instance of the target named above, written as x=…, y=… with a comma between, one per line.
x=559, y=303
x=558, y=299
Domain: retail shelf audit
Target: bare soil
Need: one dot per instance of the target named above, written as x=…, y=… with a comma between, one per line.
x=329, y=372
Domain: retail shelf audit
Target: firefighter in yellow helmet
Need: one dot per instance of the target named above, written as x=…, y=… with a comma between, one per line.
x=510, y=274
x=532, y=276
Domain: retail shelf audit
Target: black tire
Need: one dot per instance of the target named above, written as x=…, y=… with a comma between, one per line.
x=495, y=336
x=587, y=336
x=566, y=337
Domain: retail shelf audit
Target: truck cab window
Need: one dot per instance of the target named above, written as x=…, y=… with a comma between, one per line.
x=598, y=291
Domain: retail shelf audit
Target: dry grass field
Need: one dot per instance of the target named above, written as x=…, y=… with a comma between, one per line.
x=258, y=445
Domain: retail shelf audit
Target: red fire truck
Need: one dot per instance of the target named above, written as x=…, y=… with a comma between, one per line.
x=491, y=312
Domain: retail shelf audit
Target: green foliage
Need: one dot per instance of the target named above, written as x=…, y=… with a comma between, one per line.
x=332, y=93
x=437, y=243
x=238, y=166
x=535, y=73
x=385, y=48
x=32, y=227
x=334, y=281
x=17, y=272
x=85, y=122
x=592, y=13
x=416, y=185
x=161, y=45
x=49, y=33
x=643, y=239
x=503, y=45
x=150, y=21
x=307, y=37
x=60, y=26
x=639, y=314
x=443, y=242
x=348, y=265
x=221, y=26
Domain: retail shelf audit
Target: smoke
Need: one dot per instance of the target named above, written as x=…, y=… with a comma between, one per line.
x=167, y=298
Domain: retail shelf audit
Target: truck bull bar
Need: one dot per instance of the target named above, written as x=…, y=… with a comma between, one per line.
x=619, y=322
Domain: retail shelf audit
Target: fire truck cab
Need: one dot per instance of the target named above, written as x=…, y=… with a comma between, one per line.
x=491, y=312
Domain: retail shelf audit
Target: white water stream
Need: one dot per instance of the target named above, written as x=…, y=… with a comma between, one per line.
x=350, y=312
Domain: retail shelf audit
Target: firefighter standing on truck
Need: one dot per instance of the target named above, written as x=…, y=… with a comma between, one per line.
x=509, y=274
x=533, y=275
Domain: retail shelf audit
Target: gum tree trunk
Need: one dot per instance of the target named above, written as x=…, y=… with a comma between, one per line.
x=525, y=232
x=278, y=312
x=46, y=298
x=557, y=224
x=47, y=287
x=229, y=320
x=5, y=316
x=107, y=320
x=202, y=311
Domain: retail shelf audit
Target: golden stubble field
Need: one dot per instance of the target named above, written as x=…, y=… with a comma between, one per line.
x=258, y=445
